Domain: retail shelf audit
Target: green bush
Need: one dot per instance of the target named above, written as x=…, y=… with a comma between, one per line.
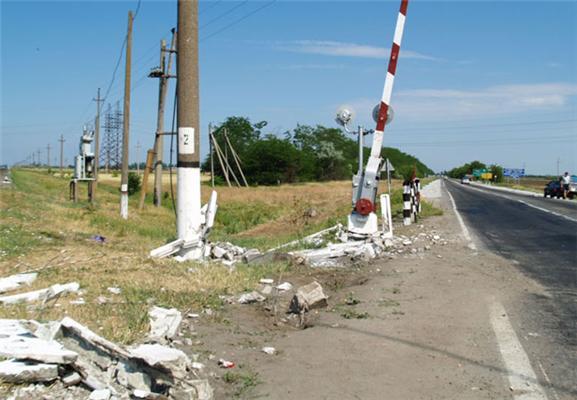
x=133, y=183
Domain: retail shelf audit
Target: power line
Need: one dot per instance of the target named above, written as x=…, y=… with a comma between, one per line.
x=239, y=20
x=224, y=14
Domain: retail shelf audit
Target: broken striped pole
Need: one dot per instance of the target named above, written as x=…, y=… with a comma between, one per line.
x=407, y=203
x=363, y=220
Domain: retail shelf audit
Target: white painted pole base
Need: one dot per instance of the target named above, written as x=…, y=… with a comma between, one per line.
x=124, y=203
x=360, y=226
x=386, y=216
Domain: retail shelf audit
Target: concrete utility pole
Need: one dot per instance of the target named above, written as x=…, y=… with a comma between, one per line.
x=39, y=163
x=61, y=140
x=48, y=156
x=98, y=100
x=188, y=161
x=159, y=139
x=126, y=121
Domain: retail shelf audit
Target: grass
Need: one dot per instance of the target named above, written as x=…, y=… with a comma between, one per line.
x=242, y=382
x=42, y=230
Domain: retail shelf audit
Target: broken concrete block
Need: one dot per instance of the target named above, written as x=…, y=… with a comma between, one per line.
x=14, y=282
x=266, y=290
x=71, y=379
x=164, y=323
x=40, y=295
x=269, y=350
x=30, y=348
x=203, y=389
x=308, y=297
x=284, y=286
x=251, y=255
x=218, y=252
x=134, y=380
x=158, y=356
x=12, y=371
x=229, y=256
x=266, y=281
x=114, y=290
x=101, y=394
x=252, y=297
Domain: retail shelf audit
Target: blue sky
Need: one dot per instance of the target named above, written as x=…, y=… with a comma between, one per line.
x=494, y=81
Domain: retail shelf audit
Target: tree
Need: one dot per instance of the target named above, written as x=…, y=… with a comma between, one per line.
x=497, y=172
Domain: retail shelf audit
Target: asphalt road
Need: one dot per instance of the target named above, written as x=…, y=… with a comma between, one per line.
x=540, y=237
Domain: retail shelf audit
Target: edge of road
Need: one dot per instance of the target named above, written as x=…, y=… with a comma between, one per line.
x=523, y=381
x=505, y=189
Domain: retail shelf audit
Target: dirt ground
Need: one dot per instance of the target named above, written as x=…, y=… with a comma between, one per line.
x=419, y=329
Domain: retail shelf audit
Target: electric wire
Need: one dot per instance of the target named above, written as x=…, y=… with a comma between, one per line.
x=224, y=14
x=270, y=3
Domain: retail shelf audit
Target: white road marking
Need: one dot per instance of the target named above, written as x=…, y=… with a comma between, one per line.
x=522, y=379
x=548, y=381
x=548, y=211
x=526, y=203
x=466, y=234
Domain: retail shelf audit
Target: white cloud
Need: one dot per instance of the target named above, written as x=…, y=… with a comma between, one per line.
x=343, y=49
x=494, y=100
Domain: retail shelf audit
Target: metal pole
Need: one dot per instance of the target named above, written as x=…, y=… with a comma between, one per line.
x=188, y=160
x=126, y=125
x=61, y=155
x=211, y=154
x=361, y=145
x=48, y=156
x=388, y=176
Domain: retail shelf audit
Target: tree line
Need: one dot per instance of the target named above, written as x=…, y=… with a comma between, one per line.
x=304, y=154
x=468, y=168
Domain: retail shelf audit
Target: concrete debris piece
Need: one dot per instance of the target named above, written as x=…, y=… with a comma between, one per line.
x=86, y=360
x=284, y=286
x=407, y=242
x=30, y=348
x=14, y=282
x=101, y=394
x=40, y=295
x=267, y=281
x=218, y=252
x=251, y=255
x=164, y=323
x=269, y=350
x=115, y=290
x=132, y=379
x=158, y=356
x=252, y=297
x=197, y=365
x=203, y=389
x=71, y=379
x=12, y=371
x=308, y=297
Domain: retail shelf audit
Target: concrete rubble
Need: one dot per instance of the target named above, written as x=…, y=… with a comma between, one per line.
x=342, y=252
x=78, y=363
x=40, y=295
x=14, y=282
x=164, y=323
x=308, y=297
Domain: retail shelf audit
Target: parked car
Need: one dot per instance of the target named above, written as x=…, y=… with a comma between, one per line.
x=465, y=181
x=553, y=189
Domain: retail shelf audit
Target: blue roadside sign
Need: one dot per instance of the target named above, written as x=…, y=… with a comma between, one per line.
x=514, y=172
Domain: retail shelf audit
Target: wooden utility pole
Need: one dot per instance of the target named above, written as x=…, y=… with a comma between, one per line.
x=158, y=140
x=188, y=161
x=138, y=147
x=98, y=100
x=48, y=157
x=126, y=123
x=61, y=140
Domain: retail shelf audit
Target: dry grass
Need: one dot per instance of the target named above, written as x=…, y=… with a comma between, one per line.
x=41, y=230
